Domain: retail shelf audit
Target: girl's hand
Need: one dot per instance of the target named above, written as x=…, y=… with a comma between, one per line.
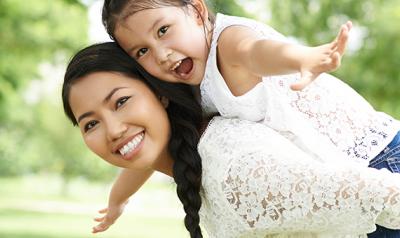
x=324, y=58
x=111, y=215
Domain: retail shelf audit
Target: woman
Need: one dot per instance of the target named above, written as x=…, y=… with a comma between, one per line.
x=249, y=182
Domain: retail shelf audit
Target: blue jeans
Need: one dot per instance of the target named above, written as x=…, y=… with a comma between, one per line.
x=389, y=158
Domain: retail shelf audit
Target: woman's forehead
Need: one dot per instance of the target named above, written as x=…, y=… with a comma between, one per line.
x=96, y=87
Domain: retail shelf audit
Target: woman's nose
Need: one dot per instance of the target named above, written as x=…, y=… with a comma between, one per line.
x=115, y=128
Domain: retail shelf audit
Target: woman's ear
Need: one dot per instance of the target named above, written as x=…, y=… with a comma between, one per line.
x=164, y=101
x=200, y=11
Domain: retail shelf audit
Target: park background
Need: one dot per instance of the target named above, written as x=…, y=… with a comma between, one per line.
x=52, y=186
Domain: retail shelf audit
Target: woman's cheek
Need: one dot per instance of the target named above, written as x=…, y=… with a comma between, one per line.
x=94, y=142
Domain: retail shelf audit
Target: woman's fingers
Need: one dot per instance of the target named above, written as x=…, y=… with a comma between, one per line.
x=99, y=219
x=104, y=225
x=104, y=210
x=100, y=228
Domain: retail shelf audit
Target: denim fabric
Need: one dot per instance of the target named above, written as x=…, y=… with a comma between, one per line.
x=389, y=158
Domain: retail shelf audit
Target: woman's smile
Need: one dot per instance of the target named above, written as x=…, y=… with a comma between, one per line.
x=121, y=119
x=131, y=146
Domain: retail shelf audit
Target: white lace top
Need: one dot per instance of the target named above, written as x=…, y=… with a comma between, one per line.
x=257, y=184
x=326, y=111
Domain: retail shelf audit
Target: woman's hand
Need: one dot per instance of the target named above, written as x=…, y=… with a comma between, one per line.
x=111, y=214
x=324, y=58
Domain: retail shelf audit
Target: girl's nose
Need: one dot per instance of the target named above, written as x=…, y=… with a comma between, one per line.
x=163, y=55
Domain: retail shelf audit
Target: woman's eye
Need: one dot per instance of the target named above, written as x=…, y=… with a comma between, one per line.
x=162, y=31
x=120, y=102
x=141, y=52
x=89, y=125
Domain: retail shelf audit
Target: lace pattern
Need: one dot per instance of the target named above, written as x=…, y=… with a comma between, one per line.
x=327, y=110
x=256, y=183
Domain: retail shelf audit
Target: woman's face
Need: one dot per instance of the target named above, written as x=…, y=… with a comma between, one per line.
x=121, y=119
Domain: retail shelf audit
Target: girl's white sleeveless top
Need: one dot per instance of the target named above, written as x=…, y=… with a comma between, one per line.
x=258, y=184
x=326, y=119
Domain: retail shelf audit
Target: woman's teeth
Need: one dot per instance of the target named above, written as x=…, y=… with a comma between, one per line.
x=131, y=145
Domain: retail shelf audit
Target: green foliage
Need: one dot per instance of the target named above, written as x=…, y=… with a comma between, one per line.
x=41, y=139
x=373, y=70
x=230, y=7
x=37, y=137
x=32, y=33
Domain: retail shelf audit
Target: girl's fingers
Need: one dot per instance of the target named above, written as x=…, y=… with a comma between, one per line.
x=333, y=45
x=349, y=25
x=344, y=36
x=305, y=80
x=336, y=58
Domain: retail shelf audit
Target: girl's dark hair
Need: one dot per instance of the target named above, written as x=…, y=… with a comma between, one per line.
x=183, y=110
x=116, y=11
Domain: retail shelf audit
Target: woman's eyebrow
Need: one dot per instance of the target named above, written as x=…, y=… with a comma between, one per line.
x=86, y=114
x=106, y=99
x=111, y=93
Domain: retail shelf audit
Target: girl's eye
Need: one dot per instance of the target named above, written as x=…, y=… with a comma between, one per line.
x=121, y=101
x=162, y=31
x=141, y=52
x=89, y=125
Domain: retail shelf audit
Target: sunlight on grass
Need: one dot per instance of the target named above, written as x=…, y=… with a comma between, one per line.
x=34, y=207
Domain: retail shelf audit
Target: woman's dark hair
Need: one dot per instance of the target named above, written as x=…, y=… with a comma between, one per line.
x=183, y=110
x=116, y=11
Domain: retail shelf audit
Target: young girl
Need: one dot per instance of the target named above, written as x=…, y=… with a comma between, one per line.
x=256, y=185
x=172, y=41
x=235, y=59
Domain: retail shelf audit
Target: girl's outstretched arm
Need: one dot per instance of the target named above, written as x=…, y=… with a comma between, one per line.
x=240, y=48
x=128, y=182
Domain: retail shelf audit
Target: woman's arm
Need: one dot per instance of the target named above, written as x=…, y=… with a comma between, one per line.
x=128, y=182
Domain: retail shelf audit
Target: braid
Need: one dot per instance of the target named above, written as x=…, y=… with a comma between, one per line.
x=186, y=118
x=185, y=124
x=183, y=110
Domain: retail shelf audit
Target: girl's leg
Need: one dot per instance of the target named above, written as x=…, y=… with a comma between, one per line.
x=389, y=159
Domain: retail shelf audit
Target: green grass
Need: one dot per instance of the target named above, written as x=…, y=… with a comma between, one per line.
x=33, y=207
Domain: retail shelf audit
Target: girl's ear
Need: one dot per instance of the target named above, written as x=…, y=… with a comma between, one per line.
x=164, y=101
x=200, y=11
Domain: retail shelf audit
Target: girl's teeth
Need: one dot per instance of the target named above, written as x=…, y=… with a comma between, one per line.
x=130, y=146
x=176, y=65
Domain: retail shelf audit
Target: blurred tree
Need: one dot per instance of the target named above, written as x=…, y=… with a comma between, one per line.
x=373, y=70
x=32, y=33
x=33, y=136
x=36, y=136
x=230, y=7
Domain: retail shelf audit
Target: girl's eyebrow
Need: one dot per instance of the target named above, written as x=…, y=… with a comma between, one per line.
x=106, y=99
x=156, y=22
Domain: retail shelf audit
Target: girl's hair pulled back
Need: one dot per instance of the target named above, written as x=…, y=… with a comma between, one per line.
x=117, y=11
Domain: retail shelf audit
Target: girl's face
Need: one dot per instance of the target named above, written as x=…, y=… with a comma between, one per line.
x=169, y=42
x=121, y=120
